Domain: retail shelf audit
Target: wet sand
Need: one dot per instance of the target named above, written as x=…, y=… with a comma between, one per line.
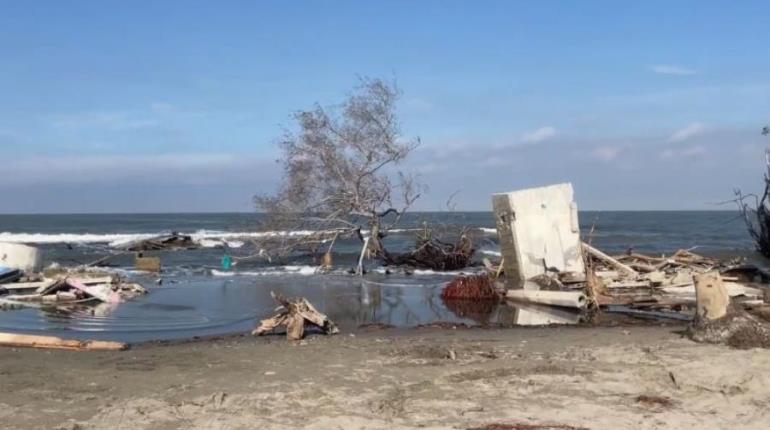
x=598, y=378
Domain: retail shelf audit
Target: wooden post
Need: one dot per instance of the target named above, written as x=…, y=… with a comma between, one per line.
x=710, y=296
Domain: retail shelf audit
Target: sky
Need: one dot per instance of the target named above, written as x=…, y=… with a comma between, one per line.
x=175, y=106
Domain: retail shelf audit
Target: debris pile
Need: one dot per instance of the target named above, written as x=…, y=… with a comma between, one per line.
x=295, y=314
x=546, y=263
x=68, y=288
x=173, y=241
x=471, y=287
x=436, y=254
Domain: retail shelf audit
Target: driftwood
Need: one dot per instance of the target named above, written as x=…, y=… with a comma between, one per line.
x=294, y=314
x=51, y=342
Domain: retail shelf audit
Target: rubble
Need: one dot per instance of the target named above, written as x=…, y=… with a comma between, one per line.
x=68, y=288
x=539, y=255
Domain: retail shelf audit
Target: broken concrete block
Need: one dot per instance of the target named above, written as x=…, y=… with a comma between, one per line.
x=539, y=231
x=22, y=257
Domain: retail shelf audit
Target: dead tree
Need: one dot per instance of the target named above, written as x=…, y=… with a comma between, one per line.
x=757, y=217
x=341, y=172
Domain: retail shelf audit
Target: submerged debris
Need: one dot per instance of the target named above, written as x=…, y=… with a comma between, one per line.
x=173, y=241
x=69, y=287
x=294, y=314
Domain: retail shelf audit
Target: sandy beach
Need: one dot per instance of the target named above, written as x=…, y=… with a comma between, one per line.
x=597, y=378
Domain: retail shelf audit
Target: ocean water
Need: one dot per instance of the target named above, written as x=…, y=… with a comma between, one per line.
x=193, y=296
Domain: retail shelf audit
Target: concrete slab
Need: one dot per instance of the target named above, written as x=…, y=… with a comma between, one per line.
x=539, y=231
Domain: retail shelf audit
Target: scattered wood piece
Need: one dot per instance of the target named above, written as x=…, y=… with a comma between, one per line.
x=628, y=284
x=52, y=342
x=28, y=286
x=295, y=313
x=609, y=260
x=101, y=292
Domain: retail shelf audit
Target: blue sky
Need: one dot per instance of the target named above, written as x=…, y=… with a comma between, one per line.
x=138, y=106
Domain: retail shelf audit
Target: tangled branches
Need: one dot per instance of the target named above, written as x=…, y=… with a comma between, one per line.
x=757, y=218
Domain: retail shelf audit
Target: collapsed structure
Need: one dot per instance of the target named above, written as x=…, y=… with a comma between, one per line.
x=23, y=285
x=546, y=263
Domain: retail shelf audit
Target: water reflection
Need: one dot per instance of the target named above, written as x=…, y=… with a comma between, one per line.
x=195, y=306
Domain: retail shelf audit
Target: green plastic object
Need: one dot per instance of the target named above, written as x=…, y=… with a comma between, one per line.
x=227, y=262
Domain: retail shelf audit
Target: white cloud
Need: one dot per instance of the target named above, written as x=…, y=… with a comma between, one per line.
x=688, y=132
x=667, y=69
x=689, y=152
x=607, y=153
x=540, y=135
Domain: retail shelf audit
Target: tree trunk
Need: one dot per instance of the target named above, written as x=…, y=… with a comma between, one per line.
x=375, y=243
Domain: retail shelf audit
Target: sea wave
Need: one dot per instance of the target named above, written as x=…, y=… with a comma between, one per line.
x=205, y=237
x=271, y=271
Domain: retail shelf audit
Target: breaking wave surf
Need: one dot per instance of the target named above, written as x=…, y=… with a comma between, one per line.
x=206, y=238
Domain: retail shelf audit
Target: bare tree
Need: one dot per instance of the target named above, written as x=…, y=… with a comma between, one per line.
x=341, y=172
x=757, y=216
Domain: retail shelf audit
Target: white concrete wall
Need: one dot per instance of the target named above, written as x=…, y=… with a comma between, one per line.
x=538, y=228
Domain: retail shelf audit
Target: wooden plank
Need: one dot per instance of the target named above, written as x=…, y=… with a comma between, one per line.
x=52, y=342
x=609, y=260
x=99, y=291
x=20, y=286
